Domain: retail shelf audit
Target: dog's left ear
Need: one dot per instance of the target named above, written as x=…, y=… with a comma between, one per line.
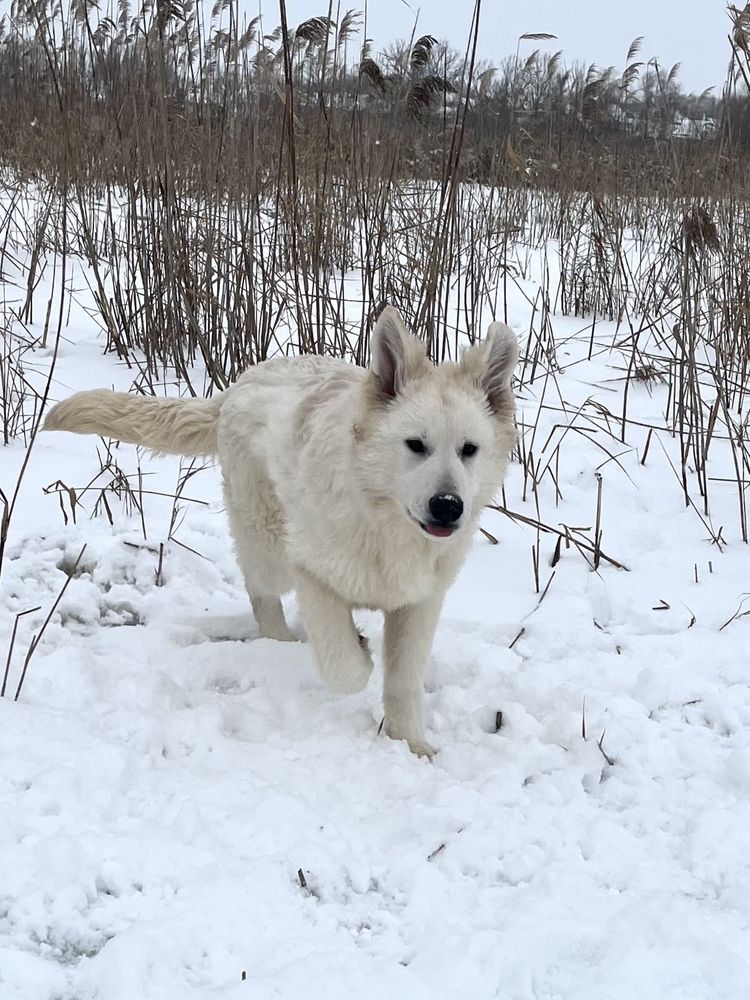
x=396, y=356
x=492, y=362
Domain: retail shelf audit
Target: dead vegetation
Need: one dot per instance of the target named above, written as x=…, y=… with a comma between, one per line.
x=229, y=193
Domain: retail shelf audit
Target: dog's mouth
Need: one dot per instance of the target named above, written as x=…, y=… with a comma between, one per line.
x=437, y=530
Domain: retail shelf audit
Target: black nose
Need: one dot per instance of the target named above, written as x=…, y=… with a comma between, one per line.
x=446, y=508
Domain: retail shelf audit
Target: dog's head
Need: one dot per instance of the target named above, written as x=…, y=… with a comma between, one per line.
x=438, y=438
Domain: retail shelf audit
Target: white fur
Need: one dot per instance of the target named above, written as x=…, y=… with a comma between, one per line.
x=324, y=497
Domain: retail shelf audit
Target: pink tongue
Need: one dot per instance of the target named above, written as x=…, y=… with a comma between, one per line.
x=435, y=529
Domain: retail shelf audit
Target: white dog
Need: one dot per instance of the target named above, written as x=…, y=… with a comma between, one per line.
x=356, y=488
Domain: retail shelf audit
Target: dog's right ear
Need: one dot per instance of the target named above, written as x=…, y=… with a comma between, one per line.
x=396, y=356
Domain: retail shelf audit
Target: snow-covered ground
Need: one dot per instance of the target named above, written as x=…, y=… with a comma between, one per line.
x=186, y=811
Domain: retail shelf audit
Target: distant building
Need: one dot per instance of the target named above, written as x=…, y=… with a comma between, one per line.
x=693, y=127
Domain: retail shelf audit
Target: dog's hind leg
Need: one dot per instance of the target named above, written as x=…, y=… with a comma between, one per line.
x=269, y=615
x=343, y=659
x=258, y=532
x=265, y=580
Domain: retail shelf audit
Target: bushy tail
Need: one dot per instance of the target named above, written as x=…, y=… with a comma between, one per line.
x=171, y=426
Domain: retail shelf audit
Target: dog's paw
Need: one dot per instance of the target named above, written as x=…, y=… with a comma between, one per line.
x=350, y=681
x=280, y=633
x=349, y=676
x=422, y=749
x=417, y=744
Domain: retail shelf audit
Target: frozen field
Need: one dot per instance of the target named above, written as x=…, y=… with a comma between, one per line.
x=188, y=813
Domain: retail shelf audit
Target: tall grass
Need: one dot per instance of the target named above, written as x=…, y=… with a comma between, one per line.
x=234, y=192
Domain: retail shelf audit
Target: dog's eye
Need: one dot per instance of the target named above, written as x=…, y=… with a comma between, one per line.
x=416, y=445
x=468, y=450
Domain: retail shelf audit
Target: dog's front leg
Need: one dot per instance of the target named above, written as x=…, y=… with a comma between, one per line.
x=408, y=640
x=342, y=656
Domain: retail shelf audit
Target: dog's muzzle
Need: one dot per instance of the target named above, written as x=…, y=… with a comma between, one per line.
x=445, y=513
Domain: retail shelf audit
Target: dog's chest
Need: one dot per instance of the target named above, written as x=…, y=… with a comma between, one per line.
x=389, y=585
x=372, y=572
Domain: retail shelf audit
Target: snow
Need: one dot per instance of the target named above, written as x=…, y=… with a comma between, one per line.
x=188, y=812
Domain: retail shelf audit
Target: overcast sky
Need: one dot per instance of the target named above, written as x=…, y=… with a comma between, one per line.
x=693, y=32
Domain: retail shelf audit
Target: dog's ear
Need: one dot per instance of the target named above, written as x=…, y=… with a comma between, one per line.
x=396, y=356
x=491, y=364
